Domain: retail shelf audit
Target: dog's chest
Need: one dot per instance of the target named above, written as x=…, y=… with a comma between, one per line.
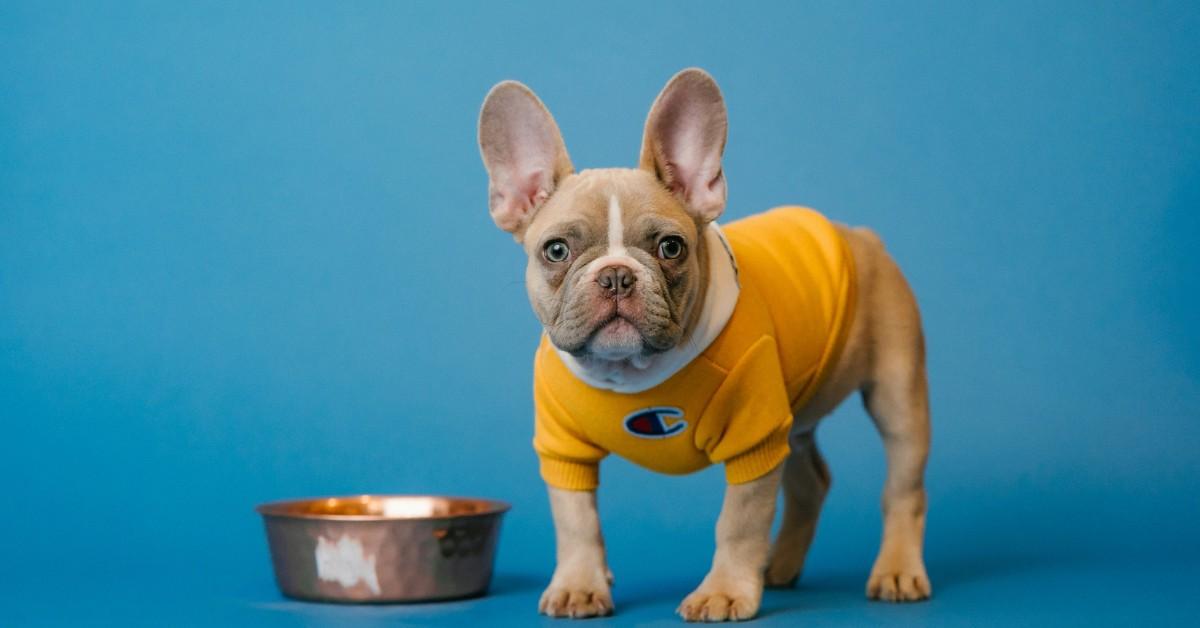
x=658, y=428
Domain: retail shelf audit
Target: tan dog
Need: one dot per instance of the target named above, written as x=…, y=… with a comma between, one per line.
x=621, y=274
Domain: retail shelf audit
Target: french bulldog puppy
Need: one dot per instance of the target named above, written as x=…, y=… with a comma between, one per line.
x=677, y=343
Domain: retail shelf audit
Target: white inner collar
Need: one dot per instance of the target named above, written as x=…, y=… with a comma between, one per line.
x=719, y=302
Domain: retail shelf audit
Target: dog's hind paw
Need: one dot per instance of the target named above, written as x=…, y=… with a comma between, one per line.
x=783, y=571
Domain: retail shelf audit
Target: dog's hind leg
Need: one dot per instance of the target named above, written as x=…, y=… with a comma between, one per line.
x=901, y=413
x=896, y=396
x=806, y=481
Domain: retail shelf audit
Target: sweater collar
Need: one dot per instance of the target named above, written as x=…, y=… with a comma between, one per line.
x=719, y=302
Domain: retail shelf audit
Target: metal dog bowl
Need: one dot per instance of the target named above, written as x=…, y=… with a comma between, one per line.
x=383, y=548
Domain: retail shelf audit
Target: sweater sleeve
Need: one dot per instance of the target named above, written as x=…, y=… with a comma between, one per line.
x=746, y=424
x=568, y=460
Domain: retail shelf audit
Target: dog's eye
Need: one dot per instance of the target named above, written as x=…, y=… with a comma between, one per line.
x=670, y=247
x=556, y=251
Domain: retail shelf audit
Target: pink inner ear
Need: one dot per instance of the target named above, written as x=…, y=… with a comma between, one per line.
x=535, y=186
x=690, y=129
x=674, y=176
x=708, y=198
x=694, y=170
x=514, y=195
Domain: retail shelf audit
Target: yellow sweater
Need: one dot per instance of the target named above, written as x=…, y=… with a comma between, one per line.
x=734, y=402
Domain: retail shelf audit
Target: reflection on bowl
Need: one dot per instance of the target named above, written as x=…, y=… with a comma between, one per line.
x=383, y=548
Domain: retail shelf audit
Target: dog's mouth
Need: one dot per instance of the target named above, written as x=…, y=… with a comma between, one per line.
x=617, y=338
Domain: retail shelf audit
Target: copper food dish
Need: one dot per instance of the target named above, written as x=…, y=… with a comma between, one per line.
x=383, y=548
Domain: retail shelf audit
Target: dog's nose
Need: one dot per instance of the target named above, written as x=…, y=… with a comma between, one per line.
x=617, y=280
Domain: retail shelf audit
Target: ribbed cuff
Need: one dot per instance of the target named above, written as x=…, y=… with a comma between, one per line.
x=572, y=476
x=760, y=459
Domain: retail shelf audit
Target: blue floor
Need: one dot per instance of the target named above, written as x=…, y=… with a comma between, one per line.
x=1020, y=552
x=1002, y=591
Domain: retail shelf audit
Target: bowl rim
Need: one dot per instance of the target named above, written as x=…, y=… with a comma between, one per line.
x=275, y=509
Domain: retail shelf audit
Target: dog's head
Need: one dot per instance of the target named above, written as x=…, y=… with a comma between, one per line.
x=617, y=258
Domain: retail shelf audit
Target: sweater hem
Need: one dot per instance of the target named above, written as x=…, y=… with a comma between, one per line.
x=760, y=459
x=569, y=475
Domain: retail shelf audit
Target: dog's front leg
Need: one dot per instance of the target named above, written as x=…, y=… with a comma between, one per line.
x=580, y=586
x=732, y=590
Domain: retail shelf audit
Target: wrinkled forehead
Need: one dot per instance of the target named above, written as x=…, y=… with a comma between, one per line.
x=627, y=204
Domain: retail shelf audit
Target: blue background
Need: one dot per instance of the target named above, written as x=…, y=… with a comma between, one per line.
x=245, y=255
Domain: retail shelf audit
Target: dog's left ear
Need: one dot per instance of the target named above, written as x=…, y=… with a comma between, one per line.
x=684, y=139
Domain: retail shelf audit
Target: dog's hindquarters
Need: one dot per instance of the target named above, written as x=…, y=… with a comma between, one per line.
x=884, y=359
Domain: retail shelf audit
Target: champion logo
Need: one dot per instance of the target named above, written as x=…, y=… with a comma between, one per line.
x=659, y=422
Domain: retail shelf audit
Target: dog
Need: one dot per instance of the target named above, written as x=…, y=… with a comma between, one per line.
x=678, y=343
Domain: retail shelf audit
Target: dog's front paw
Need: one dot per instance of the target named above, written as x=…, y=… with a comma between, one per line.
x=719, y=604
x=898, y=579
x=575, y=602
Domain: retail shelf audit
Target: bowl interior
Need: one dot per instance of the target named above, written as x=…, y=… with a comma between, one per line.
x=383, y=507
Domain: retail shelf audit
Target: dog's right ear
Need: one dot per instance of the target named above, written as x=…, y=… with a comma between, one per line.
x=523, y=152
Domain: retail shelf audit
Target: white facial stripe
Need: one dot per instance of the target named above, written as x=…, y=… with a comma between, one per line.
x=616, y=229
x=616, y=254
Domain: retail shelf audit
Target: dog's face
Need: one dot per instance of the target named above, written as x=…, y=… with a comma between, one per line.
x=617, y=261
x=613, y=265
